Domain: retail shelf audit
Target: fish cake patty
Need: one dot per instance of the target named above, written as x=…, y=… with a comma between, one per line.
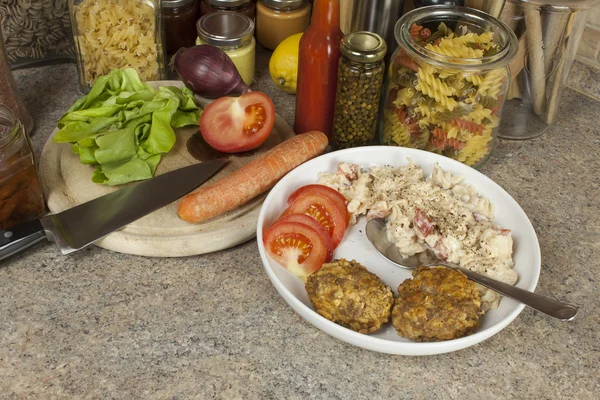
x=346, y=293
x=436, y=304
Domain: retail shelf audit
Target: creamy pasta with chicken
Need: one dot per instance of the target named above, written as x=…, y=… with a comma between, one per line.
x=440, y=212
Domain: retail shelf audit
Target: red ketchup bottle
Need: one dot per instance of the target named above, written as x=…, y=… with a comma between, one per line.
x=318, y=58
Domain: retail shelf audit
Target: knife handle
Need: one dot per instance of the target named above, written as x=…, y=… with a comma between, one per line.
x=20, y=237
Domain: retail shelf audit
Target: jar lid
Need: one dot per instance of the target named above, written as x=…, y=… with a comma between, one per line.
x=284, y=4
x=176, y=3
x=227, y=3
x=472, y=20
x=225, y=29
x=558, y=5
x=363, y=47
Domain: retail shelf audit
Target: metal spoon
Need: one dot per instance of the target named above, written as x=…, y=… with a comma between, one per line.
x=376, y=232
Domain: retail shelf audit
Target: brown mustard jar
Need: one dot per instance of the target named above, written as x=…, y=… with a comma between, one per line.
x=180, y=18
x=21, y=196
x=360, y=76
x=246, y=7
x=277, y=20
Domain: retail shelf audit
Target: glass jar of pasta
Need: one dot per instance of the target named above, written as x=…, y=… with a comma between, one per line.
x=112, y=34
x=447, y=82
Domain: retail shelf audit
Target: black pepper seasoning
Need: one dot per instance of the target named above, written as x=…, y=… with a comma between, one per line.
x=360, y=75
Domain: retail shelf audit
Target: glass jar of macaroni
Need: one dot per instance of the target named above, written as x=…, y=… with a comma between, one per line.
x=447, y=82
x=359, y=78
x=234, y=34
x=111, y=34
x=21, y=196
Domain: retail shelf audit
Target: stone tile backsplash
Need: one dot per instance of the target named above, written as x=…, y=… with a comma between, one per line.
x=589, y=48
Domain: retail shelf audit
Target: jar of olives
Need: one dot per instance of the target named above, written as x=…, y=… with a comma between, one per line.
x=360, y=75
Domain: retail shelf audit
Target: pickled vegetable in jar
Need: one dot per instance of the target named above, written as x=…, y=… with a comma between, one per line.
x=21, y=196
x=359, y=79
x=448, y=82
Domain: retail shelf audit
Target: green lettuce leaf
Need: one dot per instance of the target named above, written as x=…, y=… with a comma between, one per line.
x=124, y=125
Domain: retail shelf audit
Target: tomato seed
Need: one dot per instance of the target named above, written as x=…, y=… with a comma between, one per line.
x=255, y=118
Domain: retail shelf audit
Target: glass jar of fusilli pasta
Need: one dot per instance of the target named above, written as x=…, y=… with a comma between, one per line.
x=447, y=82
x=113, y=34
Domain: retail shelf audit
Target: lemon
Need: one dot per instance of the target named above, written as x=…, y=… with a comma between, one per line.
x=283, y=65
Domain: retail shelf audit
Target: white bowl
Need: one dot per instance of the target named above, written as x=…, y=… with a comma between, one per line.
x=356, y=246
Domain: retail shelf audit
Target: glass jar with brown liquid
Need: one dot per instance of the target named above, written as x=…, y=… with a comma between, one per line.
x=21, y=196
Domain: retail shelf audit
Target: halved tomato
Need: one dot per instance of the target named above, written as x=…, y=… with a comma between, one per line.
x=313, y=223
x=299, y=248
x=333, y=194
x=325, y=210
x=235, y=124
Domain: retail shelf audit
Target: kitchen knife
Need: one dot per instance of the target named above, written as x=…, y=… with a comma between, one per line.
x=82, y=225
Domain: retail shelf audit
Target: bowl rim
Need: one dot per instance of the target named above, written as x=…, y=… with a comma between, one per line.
x=376, y=343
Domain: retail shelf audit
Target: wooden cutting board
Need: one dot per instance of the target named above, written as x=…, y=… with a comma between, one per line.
x=67, y=183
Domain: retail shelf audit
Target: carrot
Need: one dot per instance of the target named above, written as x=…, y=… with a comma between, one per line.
x=252, y=179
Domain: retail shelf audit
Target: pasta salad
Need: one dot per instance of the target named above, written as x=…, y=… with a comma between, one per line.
x=440, y=212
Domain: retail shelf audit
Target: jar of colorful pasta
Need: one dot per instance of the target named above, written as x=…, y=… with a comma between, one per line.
x=111, y=34
x=447, y=82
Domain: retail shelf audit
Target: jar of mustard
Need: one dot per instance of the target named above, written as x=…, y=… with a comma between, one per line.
x=447, y=82
x=360, y=75
x=234, y=34
x=277, y=20
x=21, y=194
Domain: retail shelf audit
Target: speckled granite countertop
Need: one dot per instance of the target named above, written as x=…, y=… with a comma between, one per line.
x=98, y=324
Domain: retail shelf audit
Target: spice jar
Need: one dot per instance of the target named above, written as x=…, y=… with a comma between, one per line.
x=111, y=34
x=180, y=18
x=277, y=20
x=234, y=34
x=360, y=74
x=9, y=95
x=447, y=82
x=21, y=197
x=246, y=7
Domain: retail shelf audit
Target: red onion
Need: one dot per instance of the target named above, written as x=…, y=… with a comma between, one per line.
x=208, y=71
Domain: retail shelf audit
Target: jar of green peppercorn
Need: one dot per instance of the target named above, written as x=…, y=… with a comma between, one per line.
x=360, y=75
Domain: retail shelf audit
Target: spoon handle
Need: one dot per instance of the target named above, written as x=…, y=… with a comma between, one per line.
x=551, y=307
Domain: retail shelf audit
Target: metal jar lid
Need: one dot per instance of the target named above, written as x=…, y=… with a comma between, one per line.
x=176, y=3
x=284, y=4
x=363, y=46
x=225, y=29
x=227, y=3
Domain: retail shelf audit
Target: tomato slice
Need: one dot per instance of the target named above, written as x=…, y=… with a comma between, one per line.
x=324, y=210
x=235, y=124
x=299, y=248
x=333, y=194
x=313, y=223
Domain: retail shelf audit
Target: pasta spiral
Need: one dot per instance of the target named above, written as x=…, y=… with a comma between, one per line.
x=448, y=111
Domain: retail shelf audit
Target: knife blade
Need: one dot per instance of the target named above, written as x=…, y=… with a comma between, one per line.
x=77, y=227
